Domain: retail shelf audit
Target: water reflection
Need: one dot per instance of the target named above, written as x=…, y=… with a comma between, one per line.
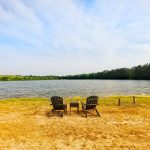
x=68, y=88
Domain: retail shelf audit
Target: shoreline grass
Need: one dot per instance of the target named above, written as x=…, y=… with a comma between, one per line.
x=25, y=123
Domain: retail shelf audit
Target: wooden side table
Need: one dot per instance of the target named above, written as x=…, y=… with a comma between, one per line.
x=74, y=104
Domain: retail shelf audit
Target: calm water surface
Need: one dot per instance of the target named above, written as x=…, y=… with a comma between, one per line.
x=68, y=88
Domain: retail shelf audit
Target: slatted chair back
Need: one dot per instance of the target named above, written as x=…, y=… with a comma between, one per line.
x=91, y=102
x=57, y=102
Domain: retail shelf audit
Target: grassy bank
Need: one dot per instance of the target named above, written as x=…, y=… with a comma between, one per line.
x=26, y=123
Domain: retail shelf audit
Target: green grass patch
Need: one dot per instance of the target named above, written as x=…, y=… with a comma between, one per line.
x=107, y=101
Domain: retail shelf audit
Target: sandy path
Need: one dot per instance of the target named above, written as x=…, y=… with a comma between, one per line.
x=117, y=128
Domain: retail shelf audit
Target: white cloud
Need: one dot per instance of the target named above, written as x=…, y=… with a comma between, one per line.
x=64, y=37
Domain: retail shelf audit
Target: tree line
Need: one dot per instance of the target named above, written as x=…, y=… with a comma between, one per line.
x=141, y=72
x=30, y=77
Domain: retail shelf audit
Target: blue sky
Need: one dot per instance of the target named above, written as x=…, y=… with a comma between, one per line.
x=58, y=37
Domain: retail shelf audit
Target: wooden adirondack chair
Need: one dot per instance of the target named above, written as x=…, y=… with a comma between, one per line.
x=91, y=103
x=57, y=103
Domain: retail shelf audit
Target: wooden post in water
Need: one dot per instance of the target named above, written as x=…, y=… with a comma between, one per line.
x=119, y=100
x=133, y=99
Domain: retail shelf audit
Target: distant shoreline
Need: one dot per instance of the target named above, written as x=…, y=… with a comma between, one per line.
x=141, y=72
x=76, y=79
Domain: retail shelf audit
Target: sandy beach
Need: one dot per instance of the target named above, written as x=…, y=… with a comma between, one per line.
x=29, y=124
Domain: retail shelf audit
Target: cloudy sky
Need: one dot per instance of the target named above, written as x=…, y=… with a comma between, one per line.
x=58, y=37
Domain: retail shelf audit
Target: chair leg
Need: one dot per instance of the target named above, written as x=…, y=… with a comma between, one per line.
x=85, y=113
x=97, y=112
x=62, y=114
x=65, y=111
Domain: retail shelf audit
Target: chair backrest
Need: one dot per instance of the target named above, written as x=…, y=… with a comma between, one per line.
x=57, y=102
x=91, y=102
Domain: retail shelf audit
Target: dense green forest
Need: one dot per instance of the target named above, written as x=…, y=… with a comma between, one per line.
x=141, y=72
x=136, y=73
x=19, y=77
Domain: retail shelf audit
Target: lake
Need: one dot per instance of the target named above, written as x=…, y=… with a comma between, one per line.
x=69, y=88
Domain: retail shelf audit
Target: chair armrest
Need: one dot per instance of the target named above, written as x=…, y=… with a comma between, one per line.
x=92, y=104
x=58, y=104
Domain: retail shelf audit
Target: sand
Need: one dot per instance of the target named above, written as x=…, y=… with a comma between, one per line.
x=29, y=125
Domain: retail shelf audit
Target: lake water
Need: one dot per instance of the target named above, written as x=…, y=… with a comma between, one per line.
x=68, y=88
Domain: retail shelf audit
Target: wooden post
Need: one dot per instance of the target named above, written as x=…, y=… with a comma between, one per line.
x=133, y=99
x=119, y=102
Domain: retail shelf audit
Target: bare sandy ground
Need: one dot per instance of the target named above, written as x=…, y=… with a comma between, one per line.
x=29, y=126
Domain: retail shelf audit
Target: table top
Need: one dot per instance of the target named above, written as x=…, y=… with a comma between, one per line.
x=74, y=104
